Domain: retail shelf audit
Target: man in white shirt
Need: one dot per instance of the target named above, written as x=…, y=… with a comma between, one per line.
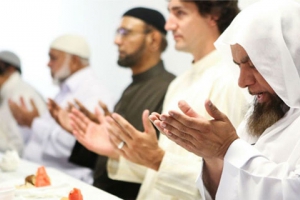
x=265, y=162
x=164, y=168
x=49, y=144
x=12, y=87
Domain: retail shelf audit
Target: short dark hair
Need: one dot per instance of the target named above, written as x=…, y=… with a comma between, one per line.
x=225, y=10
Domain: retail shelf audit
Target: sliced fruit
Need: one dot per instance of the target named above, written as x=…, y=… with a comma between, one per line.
x=75, y=194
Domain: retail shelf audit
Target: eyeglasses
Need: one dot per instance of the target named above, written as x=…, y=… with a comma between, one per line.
x=123, y=32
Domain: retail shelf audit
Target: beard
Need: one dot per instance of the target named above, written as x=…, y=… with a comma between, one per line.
x=265, y=115
x=63, y=73
x=133, y=58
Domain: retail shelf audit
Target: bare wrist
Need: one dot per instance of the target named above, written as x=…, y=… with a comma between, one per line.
x=158, y=159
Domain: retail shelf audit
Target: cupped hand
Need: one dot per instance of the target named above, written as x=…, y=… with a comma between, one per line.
x=60, y=115
x=92, y=135
x=140, y=147
x=22, y=115
x=206, y=138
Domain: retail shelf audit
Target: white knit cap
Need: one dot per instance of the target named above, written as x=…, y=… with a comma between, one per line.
x=10, y=58
x=72, y=44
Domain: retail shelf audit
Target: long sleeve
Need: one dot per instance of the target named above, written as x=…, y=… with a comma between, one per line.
x=246, y=167
x=125, y=170
x=271, y=166
x=177, y=175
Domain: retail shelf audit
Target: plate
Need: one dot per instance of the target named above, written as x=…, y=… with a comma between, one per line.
x=53, y=189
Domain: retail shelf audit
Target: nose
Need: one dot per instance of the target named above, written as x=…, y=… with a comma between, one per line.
x=246, y=78
x=170, y=24
x=49, y=63
x=118, y=39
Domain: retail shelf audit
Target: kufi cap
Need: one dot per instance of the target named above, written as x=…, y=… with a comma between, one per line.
x=10, y=58
x=72, y=44
x=149, y=16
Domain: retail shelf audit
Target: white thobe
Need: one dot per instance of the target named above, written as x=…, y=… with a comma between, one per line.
x=14, y=88
x=270, y=169
x=208, y=78
x=49, y=144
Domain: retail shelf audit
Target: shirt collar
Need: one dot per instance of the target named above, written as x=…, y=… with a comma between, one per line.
x=75, y=80
x=206, y=62
x=153, y=71
x=10, y=84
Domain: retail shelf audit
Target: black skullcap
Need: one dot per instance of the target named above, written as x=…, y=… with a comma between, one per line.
x=149, y=16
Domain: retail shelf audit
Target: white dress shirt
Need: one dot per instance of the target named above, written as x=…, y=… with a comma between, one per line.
x=49, y=144
x=208, y=78
x=14, y=88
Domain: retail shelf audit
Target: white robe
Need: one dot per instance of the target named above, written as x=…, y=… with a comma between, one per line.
x=11, y=137
x=209, y=78
x=270, y=169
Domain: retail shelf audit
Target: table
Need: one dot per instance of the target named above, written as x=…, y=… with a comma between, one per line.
x=62, y=185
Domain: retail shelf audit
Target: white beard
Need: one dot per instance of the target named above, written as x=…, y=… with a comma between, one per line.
x=63, y=73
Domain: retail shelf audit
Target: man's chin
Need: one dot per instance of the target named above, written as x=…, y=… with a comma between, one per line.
x=179, y=46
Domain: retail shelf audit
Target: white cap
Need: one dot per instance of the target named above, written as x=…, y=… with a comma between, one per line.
x=72, y=44
x=10, y=58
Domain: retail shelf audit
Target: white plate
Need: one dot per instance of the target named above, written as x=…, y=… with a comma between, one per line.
x=56, y=185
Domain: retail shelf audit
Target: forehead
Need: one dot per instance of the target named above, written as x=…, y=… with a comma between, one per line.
x=131, y=23
x=57, y=53
x=238, y=52
x=185, y=5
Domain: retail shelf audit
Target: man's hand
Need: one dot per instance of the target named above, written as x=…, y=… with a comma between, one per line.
x=207, y=138
x=92, y=135
x=61, y=116
x=21, y=113
x=89, y=114
x=139, y=147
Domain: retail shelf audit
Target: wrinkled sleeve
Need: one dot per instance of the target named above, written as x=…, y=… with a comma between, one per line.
x=56, y=142
x=125, y=170
x=245, y=169
x=177, y=175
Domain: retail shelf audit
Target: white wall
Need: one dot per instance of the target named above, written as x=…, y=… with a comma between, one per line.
x=28, y=27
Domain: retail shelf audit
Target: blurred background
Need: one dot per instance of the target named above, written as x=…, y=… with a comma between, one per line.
x=29, y=26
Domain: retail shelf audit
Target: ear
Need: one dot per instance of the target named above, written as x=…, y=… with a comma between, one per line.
x=212, y=20
x=75, y=63
x=154, y=40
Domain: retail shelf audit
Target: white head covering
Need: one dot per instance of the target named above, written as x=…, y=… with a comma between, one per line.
x=269, y=31
x=72, y=44
x=10, y=58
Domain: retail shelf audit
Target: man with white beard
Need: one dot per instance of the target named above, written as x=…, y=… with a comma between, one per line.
x=49, y=144
x=261, y=160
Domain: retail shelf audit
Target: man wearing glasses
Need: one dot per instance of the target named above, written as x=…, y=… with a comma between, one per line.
x=141, y=39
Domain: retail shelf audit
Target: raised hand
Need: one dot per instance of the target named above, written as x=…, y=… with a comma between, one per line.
x=22, y=115
x=104, y=108
x=156, y=117
x=89, y=114
x=61, y=116
x=92, y=135
x=86, y=112
x=139, y=147
x=206, y=138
